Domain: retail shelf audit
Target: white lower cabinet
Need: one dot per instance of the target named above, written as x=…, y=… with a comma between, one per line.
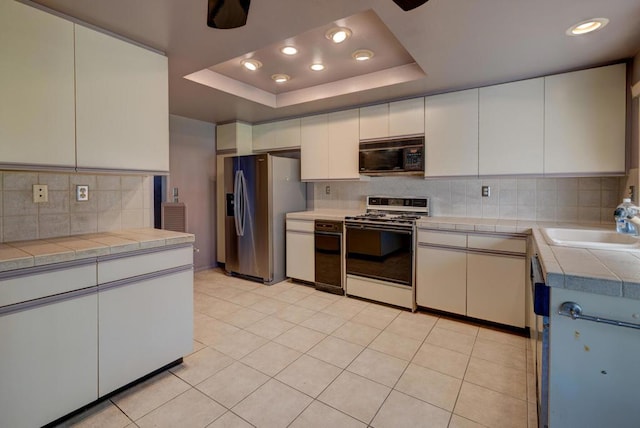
x=478, y=275
x=300, y=250
x=495, y=288
x=144, y=325
x=442, y=279
x=48, y=361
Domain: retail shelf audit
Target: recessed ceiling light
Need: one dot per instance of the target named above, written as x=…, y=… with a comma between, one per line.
x=251, y=64
x=280, y=78
x=289, y=50
x=317, y=67
x=362, y=55
x=587, y=26
x=338, y=34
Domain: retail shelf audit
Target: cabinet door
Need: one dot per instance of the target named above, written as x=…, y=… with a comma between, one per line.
x=300, y=255
x=264, y=136
x=584, y=121
x=287, y=134
x=374, y=122
x=48, y=361
x=441, y=280
x=343, y=145
x=37, y=107
x=234, y=137
x=121, y=105
x=314, y=151
x=143, y=326
x=406, y=117
x=512, y=128
x=451, y=134
x=495, y=288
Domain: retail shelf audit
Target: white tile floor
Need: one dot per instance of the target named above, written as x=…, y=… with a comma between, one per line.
x=290, y=356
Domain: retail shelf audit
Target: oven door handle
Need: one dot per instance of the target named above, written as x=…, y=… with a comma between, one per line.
x=388, y=228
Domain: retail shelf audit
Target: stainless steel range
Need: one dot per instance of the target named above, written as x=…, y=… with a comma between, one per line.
x=380, y=250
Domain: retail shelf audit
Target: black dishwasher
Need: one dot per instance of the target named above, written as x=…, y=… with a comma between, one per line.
x=328, y=256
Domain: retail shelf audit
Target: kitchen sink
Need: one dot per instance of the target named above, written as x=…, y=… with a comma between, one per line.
x=590, y=238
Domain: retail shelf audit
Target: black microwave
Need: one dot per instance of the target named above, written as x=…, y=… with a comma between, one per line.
x=388, y=157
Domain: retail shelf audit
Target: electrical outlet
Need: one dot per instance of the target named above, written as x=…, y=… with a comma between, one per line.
x=82, y=192
x=486, y=191
x=327, y=190
x=40, y=193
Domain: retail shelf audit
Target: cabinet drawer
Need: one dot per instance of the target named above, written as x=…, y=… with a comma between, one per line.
x=300, y=225
x=36, y=283
x=442, y=238
x=498, y=243
x=126, y=267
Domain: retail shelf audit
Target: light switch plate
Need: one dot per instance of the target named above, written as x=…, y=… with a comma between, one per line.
x=486, y=191
x=40, y=193
x=82, y=192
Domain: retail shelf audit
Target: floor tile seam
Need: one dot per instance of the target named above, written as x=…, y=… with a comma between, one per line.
x=498, y=363
x=303, y=352
x=504, y=366
x=229, y=410
x=268, y=338
x=281, y=370
x=160, y=405
x=466, y=369
x=216, y=401
x=233, y=360
x=446, y=349
x=341, y=411
x=495, y=390
x=435, y=370
x=122, y=411
x=455, y=331
x=429, y=403
x=520, y=348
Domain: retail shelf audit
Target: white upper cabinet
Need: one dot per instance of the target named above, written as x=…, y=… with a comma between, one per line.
x=374, y=122
x=37, y=110
x=234, y=137
x=329, y=146
x=406, y=117
x=122, y=105
x=284, y=134
x=584, y=121
x=393, y=119
x=451, y=134
x=287, y=134
x=314, y=154
x=512, y=128
x=343, y=147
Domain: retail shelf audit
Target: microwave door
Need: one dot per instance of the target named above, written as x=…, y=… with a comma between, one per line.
x=381, y=160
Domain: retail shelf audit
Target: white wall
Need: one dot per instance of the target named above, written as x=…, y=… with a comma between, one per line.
x=192, y=169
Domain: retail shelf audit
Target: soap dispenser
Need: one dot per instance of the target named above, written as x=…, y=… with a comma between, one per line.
x=623, y=215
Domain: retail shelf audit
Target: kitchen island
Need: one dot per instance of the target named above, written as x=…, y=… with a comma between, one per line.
x=83, y=316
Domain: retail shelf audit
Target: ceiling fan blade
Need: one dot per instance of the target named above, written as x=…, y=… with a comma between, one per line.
x=409, y=4
x=226, y=14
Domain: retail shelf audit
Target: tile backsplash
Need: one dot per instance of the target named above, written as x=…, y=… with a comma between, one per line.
x=115, y=202
x=582, y=200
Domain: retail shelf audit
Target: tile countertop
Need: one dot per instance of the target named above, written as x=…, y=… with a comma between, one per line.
x=328, y=214
x=24, y=254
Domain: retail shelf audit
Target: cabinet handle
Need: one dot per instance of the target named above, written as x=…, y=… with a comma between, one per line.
x=574, y=311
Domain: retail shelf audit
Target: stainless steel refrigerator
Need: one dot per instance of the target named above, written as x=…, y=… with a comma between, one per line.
x=259, y=191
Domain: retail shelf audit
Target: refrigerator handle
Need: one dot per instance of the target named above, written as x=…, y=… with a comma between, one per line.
x=244, y=202
x=237, y=202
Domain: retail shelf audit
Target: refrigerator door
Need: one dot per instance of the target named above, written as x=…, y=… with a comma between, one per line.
x=247, y=223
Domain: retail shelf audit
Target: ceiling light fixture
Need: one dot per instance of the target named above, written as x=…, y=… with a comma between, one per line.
x=281, y=78
x=338, y=34
x=289, y=50
x=251, y=64
x=362, y=55
x=317, y=66
x=587, y=26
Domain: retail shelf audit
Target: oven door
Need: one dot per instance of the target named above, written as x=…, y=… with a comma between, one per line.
x=383, y=252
